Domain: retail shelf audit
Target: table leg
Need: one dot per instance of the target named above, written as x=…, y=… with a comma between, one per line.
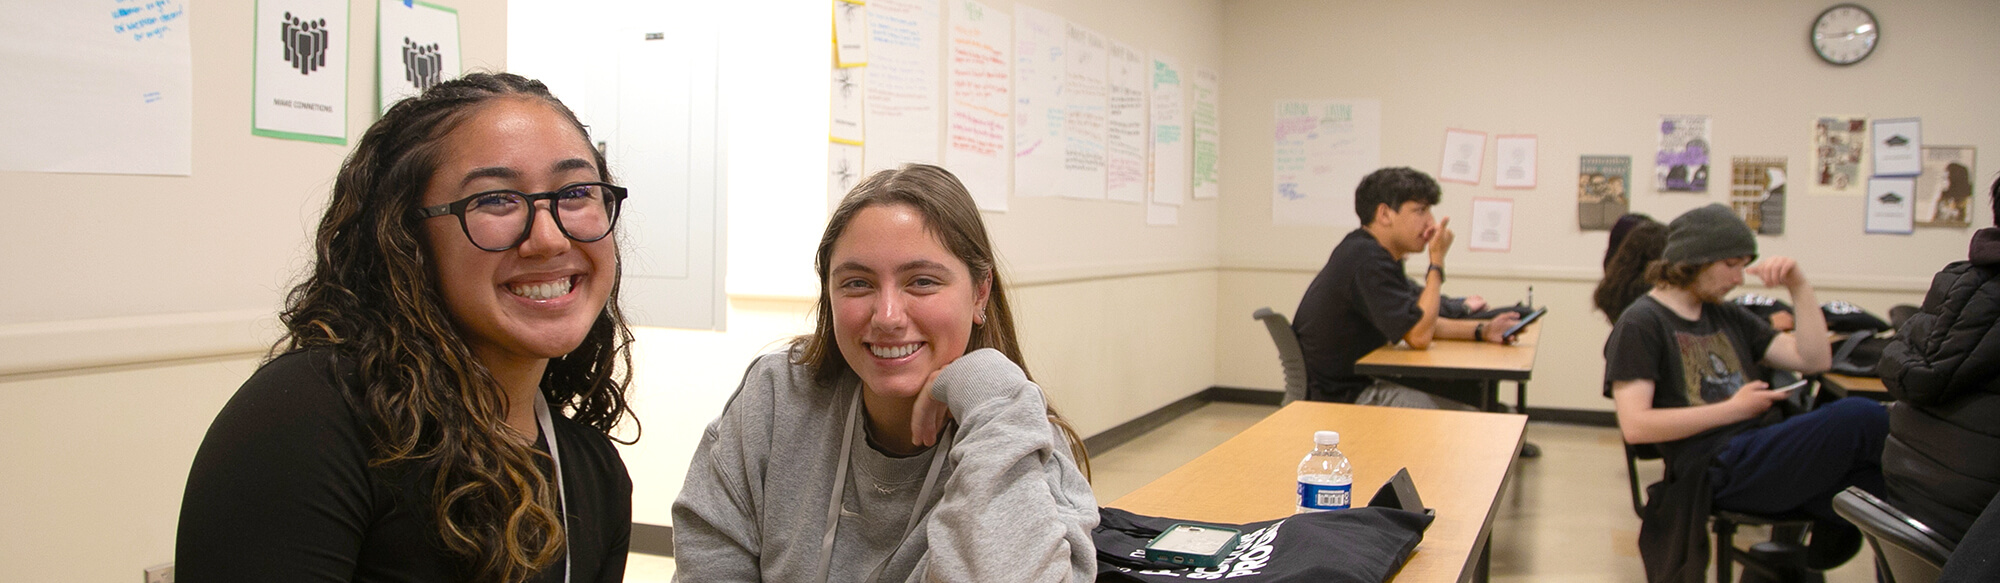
x=1528, y=449
x=1485, y=567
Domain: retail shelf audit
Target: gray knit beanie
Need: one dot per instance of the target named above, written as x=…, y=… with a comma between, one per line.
x=1708, y=234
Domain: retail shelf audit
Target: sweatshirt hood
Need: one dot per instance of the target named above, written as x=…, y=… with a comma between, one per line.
x=1985, y=247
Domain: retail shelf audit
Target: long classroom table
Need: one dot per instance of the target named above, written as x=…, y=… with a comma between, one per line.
x=1461, y=463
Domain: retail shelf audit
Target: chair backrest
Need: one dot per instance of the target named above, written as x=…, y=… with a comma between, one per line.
x=1634, y=453
x=1911, y=552
x=1289, y=354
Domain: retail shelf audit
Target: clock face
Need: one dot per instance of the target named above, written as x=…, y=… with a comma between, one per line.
x=1845, y=34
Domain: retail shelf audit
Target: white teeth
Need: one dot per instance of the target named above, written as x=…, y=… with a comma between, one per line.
x=896, y=352
x=542, y=291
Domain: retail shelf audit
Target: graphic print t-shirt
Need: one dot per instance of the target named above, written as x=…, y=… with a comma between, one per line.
x=1690, y=363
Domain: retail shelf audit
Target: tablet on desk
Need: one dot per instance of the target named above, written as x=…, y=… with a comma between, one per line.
x=1525, y=320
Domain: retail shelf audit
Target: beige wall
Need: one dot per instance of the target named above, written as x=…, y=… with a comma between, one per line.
x=1588, y=78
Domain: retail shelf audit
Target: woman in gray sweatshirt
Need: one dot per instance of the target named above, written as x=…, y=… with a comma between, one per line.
x=903, y=439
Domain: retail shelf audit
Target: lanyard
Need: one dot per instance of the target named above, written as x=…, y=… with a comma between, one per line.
x=555, y=460
x=840, y=488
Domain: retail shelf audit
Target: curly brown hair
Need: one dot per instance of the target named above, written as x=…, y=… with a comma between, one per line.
x=951, y=216
x=430, y=406
x=1625, y=273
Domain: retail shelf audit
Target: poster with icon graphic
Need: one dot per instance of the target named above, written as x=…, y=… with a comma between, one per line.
x=1602, y=191
x=1757, y=192
x=300, y=67
x=1681, y=164
x=1891, y=206
x=850, y=33
x=1839, y=143
x=417, y=44
x=1898, y=146
x=1945, y=189
x=1464, y=156
x=1514, y=161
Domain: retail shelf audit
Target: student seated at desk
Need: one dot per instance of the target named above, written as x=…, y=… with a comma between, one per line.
x=1361, y=300
x=1682, y=366
x=1636, y=241
x=902, y=440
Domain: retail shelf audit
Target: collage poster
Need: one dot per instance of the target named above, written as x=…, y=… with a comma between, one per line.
x=1682, y=162
x=1944, y=190
x=1602, y=191
x=1757, y=193
x=1837, y=145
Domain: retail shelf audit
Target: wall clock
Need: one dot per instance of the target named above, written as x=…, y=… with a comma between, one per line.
x=1844, y=34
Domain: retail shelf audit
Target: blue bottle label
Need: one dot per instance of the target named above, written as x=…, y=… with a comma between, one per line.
x=1323, y=497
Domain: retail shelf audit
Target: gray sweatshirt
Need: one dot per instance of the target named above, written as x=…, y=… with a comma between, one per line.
x=1009, y=504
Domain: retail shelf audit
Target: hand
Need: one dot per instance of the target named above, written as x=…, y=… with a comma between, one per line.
x=1440, y=241
x=1755, y=397
x=1496, y=328
x=1475, y=304
x=928, y=415
x=1778, y=272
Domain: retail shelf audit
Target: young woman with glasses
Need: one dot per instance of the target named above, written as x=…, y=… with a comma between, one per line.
x=903, y=439
x=452, y=368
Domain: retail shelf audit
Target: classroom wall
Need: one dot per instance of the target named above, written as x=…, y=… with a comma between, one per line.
x=136, y=308
x=1587, y=78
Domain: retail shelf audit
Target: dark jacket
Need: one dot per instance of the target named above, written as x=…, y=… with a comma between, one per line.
x=1942, y=459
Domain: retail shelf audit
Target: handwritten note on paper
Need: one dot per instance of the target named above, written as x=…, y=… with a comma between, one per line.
x=977, y=149
x=1038, y=104
x=1207, y=134
x=1167, y=179
x=1321, y=150
x=902, y=105
x=850, y=33
x=1084, y=97
x=1125, y=136
x=97, y=87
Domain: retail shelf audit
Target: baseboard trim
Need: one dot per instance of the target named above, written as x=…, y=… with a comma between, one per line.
x=652, y=539
x=1124, y=432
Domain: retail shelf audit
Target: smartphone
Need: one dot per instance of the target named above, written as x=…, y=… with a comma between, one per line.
x=1192, y=545
x=1525, y=320
x=1791, y=387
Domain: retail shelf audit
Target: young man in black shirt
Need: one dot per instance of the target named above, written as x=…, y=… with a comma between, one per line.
x=1361, y=300
x=1687, y=372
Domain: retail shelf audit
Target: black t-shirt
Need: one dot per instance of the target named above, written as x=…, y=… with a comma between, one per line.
x=281, y=490
x=1359, y=302
x=1690, y=363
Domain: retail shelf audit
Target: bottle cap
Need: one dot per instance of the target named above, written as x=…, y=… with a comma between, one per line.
x=1326, y=438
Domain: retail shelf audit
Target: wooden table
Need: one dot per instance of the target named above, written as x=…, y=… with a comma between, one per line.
x=1462, y=359
x=1857, y=386
x=1460, y=461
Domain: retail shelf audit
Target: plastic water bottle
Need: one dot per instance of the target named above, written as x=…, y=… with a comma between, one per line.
x=1326, y=481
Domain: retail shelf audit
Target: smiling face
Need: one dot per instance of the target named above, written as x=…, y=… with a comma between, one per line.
x=903, y=305
x=537, y=301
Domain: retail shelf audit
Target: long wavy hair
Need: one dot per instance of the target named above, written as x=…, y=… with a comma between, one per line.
x=951, y=216
x=430, y=406
x=1625, y=271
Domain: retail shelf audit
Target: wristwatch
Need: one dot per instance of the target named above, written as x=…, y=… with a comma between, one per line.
x=1437, y=268
x=1479, y=332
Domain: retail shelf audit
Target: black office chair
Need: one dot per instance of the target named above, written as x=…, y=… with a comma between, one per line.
x=1289, y=355
x=1785, y=530
x=1906, y=551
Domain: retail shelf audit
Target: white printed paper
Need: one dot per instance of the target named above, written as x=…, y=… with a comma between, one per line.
x=1322, y=150
x=1492, y=225
x=1891, y=205
x=1516, y=166
x=902, y=102
x=1038, y=102
x=98, y=87
x=1085, y=92
x=977, y=149
x=301, y=68
x=850, y=33
x=843, y=171
x=848, y=91
x=1899, y=147
x=1167, y=178
x=1464, y=156
x=418, y=48
x=1125, y=125
x=1207, y=134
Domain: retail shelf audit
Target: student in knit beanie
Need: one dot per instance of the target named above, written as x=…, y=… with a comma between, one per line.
x=1709, y=234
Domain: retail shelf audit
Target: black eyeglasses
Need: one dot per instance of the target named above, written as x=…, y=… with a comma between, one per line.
x=498, y=220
